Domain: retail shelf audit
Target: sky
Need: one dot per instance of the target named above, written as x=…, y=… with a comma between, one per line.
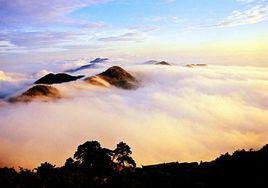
x=221, y=31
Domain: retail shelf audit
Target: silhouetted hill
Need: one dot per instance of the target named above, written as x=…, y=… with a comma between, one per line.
x=95, y=166
x=42, y=92
x=57, y=78
x=115, y=76
x=92, y=64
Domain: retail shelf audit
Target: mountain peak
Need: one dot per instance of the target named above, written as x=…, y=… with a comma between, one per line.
x=44, y=92
x=115, y=76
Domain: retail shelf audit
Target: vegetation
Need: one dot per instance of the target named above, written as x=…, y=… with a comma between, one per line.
x=95, y=166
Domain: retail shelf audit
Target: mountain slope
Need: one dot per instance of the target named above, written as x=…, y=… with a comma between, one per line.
x=115, y=76
x=57, y=78
x=41, y=92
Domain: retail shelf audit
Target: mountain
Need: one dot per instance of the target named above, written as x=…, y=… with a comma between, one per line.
x=150, y=62
x=115, y=76
x=196, y=65
x=92, y=64
x=154, y=62
x=162, y=63
x=57, y=78
x=42, y=92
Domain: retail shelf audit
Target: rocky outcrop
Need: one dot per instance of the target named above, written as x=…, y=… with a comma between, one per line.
x=57, y=78
x=115, y=76
x=41, y=92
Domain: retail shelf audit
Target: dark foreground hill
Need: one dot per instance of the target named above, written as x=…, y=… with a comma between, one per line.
x=57, y=78
x=115, y=76
x=95, y=166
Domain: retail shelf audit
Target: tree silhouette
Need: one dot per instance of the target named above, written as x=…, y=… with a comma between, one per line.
x=122, y=154
x=45, y=169
x=71, y=164
x=94, y=158
x=94, y=166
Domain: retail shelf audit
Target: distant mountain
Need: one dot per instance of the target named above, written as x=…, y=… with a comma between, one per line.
x=154, y=62
x=92, y=64
x=115, y=76
x=42, y=92
x=162, y=63
x=150, y=62
x=196, y=65
x=57, y=78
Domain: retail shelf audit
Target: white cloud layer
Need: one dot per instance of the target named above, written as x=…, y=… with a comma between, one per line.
x=179, y=113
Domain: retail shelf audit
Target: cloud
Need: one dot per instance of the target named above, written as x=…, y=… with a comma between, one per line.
x=31, y=11
x=36, y=39
x=155, y=19
x=142, y=28
x=170, y=1
x=177, y=20
x=255, y=14
x=11, y=83
x=245, y=1
x=97, y=25
x=4, y=77
x=131, y=36
x=179, y=114
x=44, y=41
x=7, y=47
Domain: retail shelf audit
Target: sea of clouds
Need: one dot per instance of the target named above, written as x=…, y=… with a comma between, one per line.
x=178, y=114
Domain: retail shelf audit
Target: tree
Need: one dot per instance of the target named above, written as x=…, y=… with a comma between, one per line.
x=71, y=164
x=122, y=155
x=45, y=169
x=93, y=157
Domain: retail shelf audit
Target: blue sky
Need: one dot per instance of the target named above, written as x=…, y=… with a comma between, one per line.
x=162, y=28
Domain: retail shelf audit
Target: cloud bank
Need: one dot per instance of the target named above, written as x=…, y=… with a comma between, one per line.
x=179, y=113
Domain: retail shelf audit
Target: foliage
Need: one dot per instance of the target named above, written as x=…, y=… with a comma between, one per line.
x=95, y=166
